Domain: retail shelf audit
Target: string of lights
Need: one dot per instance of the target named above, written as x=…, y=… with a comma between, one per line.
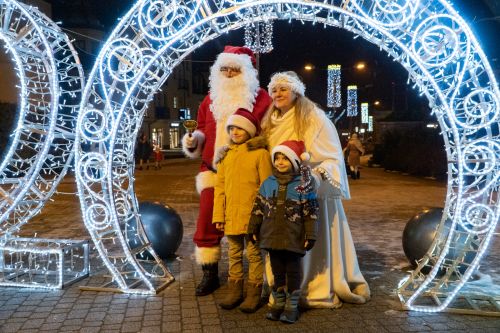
x=428, y=38
x=259, y=36
x=41, y=148
x=334, y=96
x=352, y=101
x=129, y=71
x=364, y=113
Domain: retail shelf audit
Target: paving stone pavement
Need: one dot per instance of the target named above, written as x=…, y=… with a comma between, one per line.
x=382, y=203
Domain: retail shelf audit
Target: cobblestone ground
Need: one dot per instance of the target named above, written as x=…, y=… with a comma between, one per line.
x=382, y=203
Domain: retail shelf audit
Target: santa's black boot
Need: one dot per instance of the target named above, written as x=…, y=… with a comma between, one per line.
x=210, y=281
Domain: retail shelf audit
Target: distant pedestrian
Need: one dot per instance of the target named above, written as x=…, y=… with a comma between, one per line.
x=158, y=155
x=354, y=150
x=242, y=167
x=284, y=221
x=143, y=150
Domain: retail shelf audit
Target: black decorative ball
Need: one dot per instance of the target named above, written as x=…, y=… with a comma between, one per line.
x=163, y=227
x=420, y=232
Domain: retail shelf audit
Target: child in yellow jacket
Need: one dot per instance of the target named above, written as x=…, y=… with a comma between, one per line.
x=242, y=167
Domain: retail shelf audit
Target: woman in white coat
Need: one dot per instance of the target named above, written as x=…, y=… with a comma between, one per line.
x=331, y=273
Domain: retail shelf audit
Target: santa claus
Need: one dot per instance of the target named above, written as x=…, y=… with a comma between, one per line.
x=233, y=85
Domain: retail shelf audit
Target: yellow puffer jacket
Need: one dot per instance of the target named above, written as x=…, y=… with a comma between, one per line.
x=240, y=172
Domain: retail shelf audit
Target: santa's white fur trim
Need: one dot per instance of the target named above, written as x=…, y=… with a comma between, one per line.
x=205, y=179
x=207, y=255
x=283, y=79
x=241, y=61
x=196, y=152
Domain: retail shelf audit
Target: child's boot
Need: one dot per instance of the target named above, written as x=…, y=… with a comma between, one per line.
x=234, y=296
x=277, y=308
x=291, y=313
x=252, y=299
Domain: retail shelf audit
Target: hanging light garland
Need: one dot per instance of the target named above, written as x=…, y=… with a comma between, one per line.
x=334, y=92
x=364, y=113
x=352, y=101
x=370, y=124
x=259, y=36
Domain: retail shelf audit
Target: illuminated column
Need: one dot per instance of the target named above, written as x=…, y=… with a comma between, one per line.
x=364, y=113
x=370, y=124
x=352, y=101
x=334, y=92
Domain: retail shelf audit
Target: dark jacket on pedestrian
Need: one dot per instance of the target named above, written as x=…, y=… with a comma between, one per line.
x=282, y=217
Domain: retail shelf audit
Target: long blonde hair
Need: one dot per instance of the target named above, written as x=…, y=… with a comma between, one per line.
x=303, y=108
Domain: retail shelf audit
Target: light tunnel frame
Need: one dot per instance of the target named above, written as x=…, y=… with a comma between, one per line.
x=452, y=72
x=40, y=150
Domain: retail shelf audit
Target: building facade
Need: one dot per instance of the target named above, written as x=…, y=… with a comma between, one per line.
x=178, y=100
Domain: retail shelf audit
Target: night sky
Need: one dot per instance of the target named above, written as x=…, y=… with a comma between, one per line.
x=296, y=44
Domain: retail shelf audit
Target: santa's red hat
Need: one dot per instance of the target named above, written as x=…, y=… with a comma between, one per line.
x=244, y=119
x=236, y=56
x=294, y=150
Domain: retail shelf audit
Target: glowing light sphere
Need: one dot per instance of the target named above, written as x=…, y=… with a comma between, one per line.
x=352, y=101
x=334, y=92
x=364, y=113
x=51, y=83
x=428, y=38
x=259, y=37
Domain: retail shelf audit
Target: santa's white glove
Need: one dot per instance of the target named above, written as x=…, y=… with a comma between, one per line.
x=191, y=141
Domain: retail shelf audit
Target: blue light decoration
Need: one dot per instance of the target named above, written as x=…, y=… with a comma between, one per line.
x=364, y=113
x=428, y=38
x=40, y=150
x=370, y=124
x=334, y=98
x=259, y=36
x=352, y=101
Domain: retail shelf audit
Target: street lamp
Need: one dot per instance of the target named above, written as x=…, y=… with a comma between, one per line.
x=360, y=66
x=308, y=67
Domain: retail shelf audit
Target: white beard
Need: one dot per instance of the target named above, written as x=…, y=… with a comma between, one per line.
x=228, y=95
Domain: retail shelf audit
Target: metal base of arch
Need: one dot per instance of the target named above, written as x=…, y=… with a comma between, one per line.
x=43, y=263
x=479, y=302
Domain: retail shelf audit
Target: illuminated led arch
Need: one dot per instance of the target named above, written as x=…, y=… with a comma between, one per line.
x=428, y=38
x=51, y=85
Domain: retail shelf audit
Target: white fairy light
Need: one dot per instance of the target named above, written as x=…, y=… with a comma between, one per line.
x=352, y=101
x=334, y=79
x=429, y=39
x=364, y=113
x=41, y=147
x=259, y=36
